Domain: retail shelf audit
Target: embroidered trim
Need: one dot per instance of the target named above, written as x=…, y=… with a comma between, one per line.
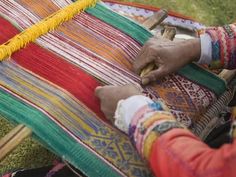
x=148, y=123
x=223, y=46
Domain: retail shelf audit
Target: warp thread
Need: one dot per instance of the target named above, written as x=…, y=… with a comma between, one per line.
x=42, y=27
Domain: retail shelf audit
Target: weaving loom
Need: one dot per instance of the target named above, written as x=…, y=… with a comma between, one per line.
x=49, y=85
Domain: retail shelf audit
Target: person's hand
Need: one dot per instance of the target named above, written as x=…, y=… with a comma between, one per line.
x=168, y=56
x=110, y=95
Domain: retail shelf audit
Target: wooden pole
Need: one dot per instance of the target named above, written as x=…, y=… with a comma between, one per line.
x=169, y=33
x=10, y=141
x=155, y=19
x=227, y=75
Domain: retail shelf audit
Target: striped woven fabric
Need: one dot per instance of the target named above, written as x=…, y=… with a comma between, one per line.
x=49, y=85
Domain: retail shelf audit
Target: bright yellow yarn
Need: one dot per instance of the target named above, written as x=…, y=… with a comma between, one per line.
x=51, y=22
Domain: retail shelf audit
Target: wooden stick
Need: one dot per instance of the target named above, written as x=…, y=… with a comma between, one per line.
x=155, y=19
x=227, y=75
x=169, y=33
x=10, y=141
x=8, y=136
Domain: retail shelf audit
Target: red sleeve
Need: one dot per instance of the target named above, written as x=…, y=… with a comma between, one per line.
x=178, y=153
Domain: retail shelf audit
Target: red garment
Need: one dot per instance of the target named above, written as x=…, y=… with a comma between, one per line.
x=179, y=153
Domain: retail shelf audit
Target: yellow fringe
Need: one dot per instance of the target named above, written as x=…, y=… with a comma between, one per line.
x=50, y=23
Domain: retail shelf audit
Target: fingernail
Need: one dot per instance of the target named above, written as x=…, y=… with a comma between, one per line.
x=145, y=81
x=97, y=89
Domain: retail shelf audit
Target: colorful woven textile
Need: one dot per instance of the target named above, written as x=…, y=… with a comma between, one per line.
x=49, y=85
x=140, y=13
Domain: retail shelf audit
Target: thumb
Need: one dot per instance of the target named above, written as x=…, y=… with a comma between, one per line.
x=153, y=75
x=142, y=61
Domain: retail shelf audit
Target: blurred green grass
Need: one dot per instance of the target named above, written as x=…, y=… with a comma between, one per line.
x=208, y=12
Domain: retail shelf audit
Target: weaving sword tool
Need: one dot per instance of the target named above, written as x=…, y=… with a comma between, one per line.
x=169, y=33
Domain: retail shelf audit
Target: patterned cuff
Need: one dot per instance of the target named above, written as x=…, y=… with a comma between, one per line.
x=127, y=108
x=155, y=133
x=145, y=130
x=148, y=123
x=166, y=126
x=223, y=46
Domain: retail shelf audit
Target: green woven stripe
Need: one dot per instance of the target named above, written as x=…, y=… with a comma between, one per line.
x=129, y=27
x=53, y=136
x=203, y=77
x=191, y=71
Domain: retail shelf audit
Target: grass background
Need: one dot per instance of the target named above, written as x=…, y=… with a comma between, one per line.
x=208, y=12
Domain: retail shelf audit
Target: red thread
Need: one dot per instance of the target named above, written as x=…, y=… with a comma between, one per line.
x=54, y=69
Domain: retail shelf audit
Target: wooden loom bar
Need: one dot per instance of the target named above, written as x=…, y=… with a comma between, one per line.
x=169, y=33
x=227, y=75
x=155, y=19
x=13, y=139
